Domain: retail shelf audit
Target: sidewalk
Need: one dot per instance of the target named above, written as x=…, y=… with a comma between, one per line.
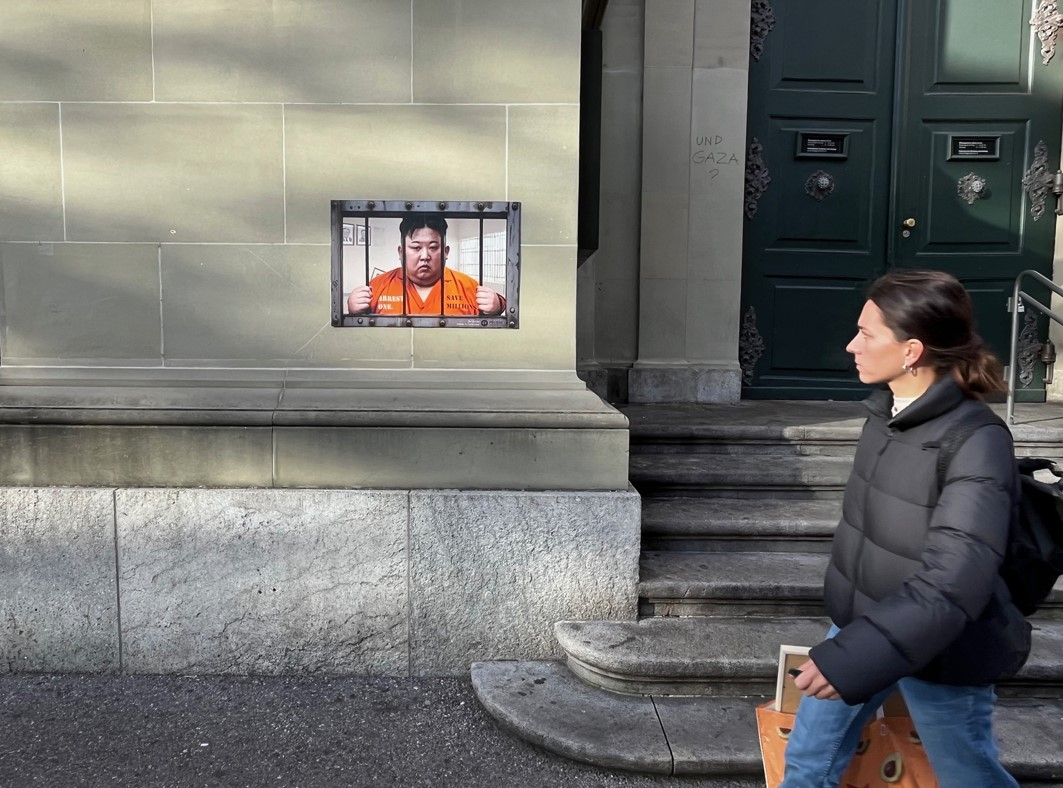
x=207, y=732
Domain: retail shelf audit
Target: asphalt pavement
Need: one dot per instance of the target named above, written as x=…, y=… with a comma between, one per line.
x=296, y=732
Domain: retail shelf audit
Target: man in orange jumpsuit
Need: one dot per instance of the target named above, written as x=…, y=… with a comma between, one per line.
x=430, y=287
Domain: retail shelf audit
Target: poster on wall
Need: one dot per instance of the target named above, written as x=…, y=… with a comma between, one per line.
x=398, y=263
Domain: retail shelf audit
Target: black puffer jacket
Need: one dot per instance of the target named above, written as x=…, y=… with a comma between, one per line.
x=913, y=580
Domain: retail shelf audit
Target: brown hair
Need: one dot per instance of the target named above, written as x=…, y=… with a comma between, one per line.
x=934, y=308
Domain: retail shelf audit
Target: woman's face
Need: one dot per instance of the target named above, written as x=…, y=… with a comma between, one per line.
x=878, y=354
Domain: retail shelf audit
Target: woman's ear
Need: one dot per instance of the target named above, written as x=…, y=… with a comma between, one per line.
x=914, y=352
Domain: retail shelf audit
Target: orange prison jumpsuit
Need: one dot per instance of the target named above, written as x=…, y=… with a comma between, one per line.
x=460, y=292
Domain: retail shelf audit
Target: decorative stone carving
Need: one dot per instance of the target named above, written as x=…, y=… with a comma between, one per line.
x=1028, y=349
x=1046, y=21
x=750, y=346
x=820, y=184
x=757, y=177
x=1035, y=181
x=762, y=20
x=972, y=187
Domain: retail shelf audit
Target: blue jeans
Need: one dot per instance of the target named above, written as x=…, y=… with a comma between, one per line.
x=955, y=725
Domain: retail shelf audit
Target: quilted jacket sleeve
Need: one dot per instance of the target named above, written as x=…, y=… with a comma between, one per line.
x=903, y=632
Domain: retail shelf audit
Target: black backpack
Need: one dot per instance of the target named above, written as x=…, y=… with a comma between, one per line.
x=1034, y=557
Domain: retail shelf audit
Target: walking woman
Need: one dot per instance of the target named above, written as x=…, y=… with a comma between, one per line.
x=913, y=586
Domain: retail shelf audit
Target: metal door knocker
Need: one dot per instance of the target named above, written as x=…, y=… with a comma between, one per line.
x=819, y=184
x=972, y=187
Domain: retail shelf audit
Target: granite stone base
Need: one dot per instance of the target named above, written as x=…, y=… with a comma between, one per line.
x=685, y=383
x=491, y=574
x=261, y=581
x=58, y=599
x=331, y=582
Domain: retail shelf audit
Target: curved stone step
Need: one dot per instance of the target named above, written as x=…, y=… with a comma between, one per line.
x=738, y=524
x=543, y=703
x=683, y=656
x=736, y=655
x=547, y=705
x=684, y=583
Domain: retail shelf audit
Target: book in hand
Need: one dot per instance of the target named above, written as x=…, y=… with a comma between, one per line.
x=787, y=695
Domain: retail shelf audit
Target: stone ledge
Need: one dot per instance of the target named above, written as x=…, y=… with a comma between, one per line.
x=253, y=397
x=309, y=428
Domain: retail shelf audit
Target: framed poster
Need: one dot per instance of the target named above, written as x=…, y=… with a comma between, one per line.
x=424, y=264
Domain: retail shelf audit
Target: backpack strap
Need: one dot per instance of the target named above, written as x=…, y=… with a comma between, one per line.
x=954, y=438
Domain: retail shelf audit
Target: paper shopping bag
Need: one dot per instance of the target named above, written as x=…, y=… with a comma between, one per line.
x=889, y=755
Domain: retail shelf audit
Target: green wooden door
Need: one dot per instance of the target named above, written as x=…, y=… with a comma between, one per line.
x=889, y=133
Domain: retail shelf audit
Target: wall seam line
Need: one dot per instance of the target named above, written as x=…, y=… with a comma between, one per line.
x=117, y=581
x=409, y=583
x=62, y=168
x=162, y=328
x=284, y=168
x=412, y=52
x=151, y=27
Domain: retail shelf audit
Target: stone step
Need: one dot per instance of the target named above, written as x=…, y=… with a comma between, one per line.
x=793, y=423
x=729, y=446
x=684, y=656
x=674, y=583
x=748, y=422
x=729, y=655
x=652, y=474
x=744, y=475
x=706, y=524
x=716, y=737
x=686, y=583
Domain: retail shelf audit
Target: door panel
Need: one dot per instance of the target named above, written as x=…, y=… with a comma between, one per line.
x=851, y=61
x=808, y=256
x=990, y=224
x=975, y=64
x=941, y=104
x=805, y=309
x=977, y=44
x=801, y=224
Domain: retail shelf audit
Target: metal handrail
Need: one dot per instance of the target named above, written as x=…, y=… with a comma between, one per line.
x=1044, y=310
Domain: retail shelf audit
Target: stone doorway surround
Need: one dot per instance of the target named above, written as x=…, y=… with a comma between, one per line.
x=685, y=200
x=693, y=180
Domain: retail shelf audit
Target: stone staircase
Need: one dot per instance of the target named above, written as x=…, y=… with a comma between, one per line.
x=739, y=504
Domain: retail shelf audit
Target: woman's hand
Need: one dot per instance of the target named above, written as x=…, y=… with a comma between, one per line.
x=814, y=684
